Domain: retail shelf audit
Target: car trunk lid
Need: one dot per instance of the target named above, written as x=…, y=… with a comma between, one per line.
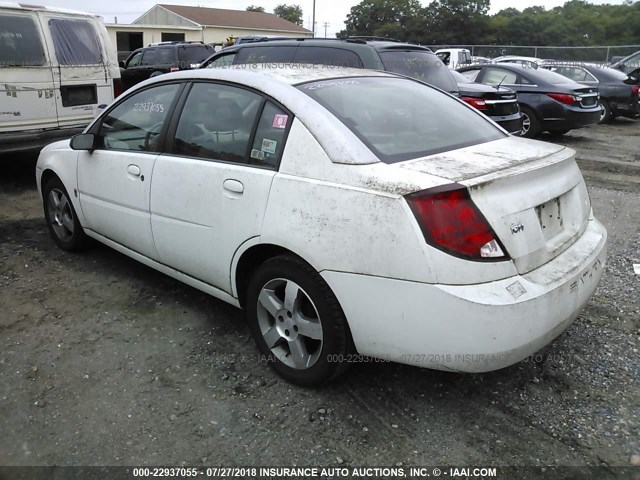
x=531, y=193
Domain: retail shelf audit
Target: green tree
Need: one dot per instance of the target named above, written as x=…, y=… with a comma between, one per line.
x=385, y=18
x=255, y=8
x=293, y=13
x=456, y=22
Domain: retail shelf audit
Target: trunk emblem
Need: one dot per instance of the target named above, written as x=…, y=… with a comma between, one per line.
x=516, y=228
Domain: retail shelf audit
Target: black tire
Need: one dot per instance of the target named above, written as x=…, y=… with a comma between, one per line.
x=323, y=359
x=607, y=113
x=558, y=133
x=530, y=123
x=61, y=217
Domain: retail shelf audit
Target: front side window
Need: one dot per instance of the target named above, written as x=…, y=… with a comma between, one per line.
x=20, y=44
x=135, y=60
x=216, y=123
x=75, y=42
x=444, y=57
x=136, y=122
x=407, y=119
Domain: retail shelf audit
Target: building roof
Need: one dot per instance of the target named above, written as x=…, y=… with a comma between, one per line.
x=234, y=18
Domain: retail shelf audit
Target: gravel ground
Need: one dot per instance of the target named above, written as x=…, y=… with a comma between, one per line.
x=103, y=361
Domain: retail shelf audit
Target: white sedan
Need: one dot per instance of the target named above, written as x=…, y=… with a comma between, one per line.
x=350, y=213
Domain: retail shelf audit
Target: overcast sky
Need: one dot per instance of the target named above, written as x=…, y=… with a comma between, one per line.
x=332, y=11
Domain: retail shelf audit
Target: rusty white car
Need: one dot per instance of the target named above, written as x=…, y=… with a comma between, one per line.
x=353, y=214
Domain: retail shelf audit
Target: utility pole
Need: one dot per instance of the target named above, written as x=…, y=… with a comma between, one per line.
x=313, y=19
x=325, y=24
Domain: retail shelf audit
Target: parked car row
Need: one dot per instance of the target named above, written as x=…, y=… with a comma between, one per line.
x=521, y=101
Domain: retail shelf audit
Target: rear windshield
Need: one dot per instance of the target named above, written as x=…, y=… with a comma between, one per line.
x=611, y=74
x=399, y=119
x=20, y=44
x=195, y=54
x=543, y=75
x=75, y=42
x=421, y=65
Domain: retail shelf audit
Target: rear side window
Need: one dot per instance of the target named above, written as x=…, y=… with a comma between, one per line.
x=216, y=123
x=399, y=119
x=75, y=42
x=159, y=56
x=265, y=54
x=20, y=44
x=268, y=143
x=421, y=65
x=222, y=61
x=328, y=56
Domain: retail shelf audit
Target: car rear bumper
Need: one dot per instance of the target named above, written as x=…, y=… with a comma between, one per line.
x=629, y=110
x=512, y=124
x=571, y=119
x=11, y=142
x=471, y=328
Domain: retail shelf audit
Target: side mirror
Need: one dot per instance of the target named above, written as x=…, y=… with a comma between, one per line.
x=83, y=141
x=122, y=64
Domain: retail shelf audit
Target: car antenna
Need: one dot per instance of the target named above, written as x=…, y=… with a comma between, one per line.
x=500, y=84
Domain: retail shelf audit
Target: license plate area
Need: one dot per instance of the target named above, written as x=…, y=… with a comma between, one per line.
x=550, y=217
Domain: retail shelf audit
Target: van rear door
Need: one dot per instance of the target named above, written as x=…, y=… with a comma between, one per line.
x=81, y=72
x=27, y=94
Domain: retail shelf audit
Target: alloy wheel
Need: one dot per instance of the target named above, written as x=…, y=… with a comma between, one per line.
x=60, y=214
x=289, y=323
x=526, y=124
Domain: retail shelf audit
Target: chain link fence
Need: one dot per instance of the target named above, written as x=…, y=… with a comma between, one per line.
x=599, y=54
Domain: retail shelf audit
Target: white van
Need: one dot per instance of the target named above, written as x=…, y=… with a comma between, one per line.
x=56, y=66
x=454, y=57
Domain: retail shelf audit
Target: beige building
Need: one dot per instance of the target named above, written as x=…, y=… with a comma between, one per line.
x=209, y=25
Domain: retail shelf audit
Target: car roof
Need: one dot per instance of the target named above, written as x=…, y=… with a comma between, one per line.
x=285, y=75
x=43, y=8
x=346, y=43
x=277, y=83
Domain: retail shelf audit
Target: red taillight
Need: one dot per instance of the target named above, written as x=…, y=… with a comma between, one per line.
x=636, y=90
x=451, y=222
x=117, y=87
x=174, y=69
x=563, y=98
x=475, y=102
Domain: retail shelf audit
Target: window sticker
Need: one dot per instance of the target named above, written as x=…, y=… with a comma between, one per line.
x=280, y=120
x=269, y=146
x=257, y=154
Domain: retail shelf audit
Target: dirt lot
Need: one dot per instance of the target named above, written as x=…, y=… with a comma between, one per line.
x=105, y=362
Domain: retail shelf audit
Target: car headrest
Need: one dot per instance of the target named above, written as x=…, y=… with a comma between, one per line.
x=226, y=116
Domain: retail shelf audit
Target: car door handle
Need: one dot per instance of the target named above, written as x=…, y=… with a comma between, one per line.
x=233, y=186
x=133, y=170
